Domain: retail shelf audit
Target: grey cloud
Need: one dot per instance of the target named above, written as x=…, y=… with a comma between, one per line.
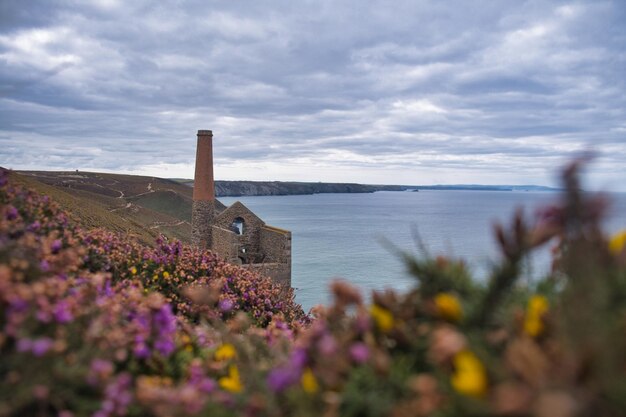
x=124, y=85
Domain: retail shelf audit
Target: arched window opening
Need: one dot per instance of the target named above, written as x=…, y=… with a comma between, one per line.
x=243, y=255
x=237, y=226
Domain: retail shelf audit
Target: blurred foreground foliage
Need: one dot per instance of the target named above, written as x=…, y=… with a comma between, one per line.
x=95, y=324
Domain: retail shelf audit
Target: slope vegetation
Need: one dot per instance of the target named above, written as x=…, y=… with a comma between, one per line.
x=141, y=206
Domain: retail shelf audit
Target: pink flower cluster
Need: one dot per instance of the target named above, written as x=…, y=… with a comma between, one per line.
x=93, y=323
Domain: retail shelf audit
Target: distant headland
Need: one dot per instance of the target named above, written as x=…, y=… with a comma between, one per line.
x=260, y=188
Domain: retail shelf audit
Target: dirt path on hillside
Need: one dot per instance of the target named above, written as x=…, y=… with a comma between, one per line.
x=128, y=205
x=178, y=223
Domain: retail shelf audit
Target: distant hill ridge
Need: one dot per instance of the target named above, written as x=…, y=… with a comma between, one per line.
x=149, y=206
x=259, y=188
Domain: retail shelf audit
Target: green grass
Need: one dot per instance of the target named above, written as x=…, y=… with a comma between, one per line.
x=144, y=207
x=167, y=202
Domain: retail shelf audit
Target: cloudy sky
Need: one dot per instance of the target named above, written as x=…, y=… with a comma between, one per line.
x=409, y=92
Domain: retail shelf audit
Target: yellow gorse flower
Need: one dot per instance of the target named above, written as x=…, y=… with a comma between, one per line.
x=470, y=376
x=448, y=306
x=383, y=317
x=232, y=382
x=618, y=243
x=156, y=381
x=133, y=270
x=225, y=352
x=187, y=343
x=309, y=382
x=533, y=322
x=166, y=274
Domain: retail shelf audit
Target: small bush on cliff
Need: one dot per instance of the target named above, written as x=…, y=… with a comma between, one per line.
x=95, y=324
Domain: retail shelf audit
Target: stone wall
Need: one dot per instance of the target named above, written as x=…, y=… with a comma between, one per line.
x=260, y=247
x=202, y=213
x=250, y=240
x=279, y=272
x=225, y=244
x=276, y=244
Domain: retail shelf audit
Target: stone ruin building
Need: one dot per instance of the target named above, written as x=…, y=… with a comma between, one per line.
x=235, y=233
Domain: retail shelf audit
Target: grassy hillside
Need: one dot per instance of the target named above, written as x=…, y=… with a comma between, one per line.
x=141, y=206
x=168, y=202
x=88, y=209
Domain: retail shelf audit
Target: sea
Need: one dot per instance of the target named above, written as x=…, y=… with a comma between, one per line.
x=356, y=237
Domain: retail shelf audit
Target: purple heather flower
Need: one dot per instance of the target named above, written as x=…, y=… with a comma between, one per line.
x=12, y=213
x=101, y=365
x=18, y=305
x=164, y=319
x=164, y=346
x=141, y=349
x=98, y=368
x=117, y=397
x=35, y=226
x=41, y=346
x=142, y=320
x=195, y=372
x=107, y=288
x=327, y=344
x=62, y=313
x=43, y=316
x=44, y=266
x=298, y=358
x=359, y=352
x=165, y=323
x=280, y=379
x=206, y=385
x=62, y=219
x=56, y=246
x=225, y=305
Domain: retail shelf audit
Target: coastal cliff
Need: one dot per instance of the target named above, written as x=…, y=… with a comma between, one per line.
x=250, y=188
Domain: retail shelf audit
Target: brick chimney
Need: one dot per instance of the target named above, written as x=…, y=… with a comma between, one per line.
x=203, y=192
